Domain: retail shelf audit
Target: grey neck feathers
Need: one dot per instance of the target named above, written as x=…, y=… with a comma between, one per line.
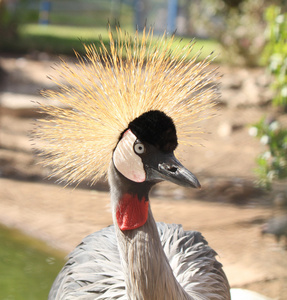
x=148, y=274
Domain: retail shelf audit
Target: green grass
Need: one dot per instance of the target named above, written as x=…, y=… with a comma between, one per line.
x=28, y=267
x=62, y=32
x=57, y=39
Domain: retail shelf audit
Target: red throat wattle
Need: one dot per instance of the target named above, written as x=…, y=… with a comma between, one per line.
x=132, y=212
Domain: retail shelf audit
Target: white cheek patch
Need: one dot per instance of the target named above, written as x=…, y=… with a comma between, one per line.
x=126, y=161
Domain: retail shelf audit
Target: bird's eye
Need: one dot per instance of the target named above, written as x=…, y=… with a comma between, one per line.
x=139, y=148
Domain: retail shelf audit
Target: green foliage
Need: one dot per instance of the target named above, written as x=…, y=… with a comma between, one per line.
x=275, y=54
x=8, y=25
x=238, y=25
x=272, y=164
x=91, y=14
x=74, y=22
x=11, y=19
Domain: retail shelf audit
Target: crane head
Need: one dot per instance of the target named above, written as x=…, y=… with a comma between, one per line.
x=145, y=151
x=128, y=90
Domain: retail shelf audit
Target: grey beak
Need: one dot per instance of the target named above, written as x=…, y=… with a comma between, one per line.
x=166, y=167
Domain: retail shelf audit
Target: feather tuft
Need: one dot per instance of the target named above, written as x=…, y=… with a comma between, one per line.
x=109, y=88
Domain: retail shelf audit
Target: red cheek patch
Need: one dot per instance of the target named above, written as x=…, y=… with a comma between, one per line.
x=132, y=212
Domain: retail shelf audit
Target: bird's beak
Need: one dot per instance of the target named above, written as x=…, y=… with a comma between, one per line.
x=164, y=166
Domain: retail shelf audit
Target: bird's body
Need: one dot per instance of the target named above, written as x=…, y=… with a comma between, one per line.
x=127, y=116
x=155, y=261
x=94, y=270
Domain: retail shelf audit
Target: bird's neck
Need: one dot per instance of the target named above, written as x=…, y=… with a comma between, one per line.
x=148, y=274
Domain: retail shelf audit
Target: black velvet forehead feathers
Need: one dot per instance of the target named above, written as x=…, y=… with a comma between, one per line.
x=156, y=128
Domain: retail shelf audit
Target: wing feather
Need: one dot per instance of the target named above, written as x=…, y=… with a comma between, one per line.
x=93, y=269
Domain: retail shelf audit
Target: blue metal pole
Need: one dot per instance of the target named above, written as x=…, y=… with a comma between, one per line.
x=171, y=15
x=45, y=8
x=140, y=13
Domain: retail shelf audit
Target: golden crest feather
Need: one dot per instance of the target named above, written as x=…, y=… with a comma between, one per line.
x=109, y=88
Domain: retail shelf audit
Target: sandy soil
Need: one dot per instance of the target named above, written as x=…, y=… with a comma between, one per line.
x=229, y=210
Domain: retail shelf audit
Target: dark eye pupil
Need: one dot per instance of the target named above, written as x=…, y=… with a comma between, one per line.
x=139, y=148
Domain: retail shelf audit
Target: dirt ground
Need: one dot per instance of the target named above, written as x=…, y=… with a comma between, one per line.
x=229, y=210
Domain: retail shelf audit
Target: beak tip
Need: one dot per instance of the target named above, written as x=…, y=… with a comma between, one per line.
x=197, y=185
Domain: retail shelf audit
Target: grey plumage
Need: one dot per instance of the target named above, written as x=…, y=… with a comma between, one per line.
x=94, y=271
x=137, y=258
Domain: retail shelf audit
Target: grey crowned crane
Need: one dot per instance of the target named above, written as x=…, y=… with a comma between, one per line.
x=125, y=111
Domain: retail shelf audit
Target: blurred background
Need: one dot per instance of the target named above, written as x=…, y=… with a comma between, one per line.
x=242, y=166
